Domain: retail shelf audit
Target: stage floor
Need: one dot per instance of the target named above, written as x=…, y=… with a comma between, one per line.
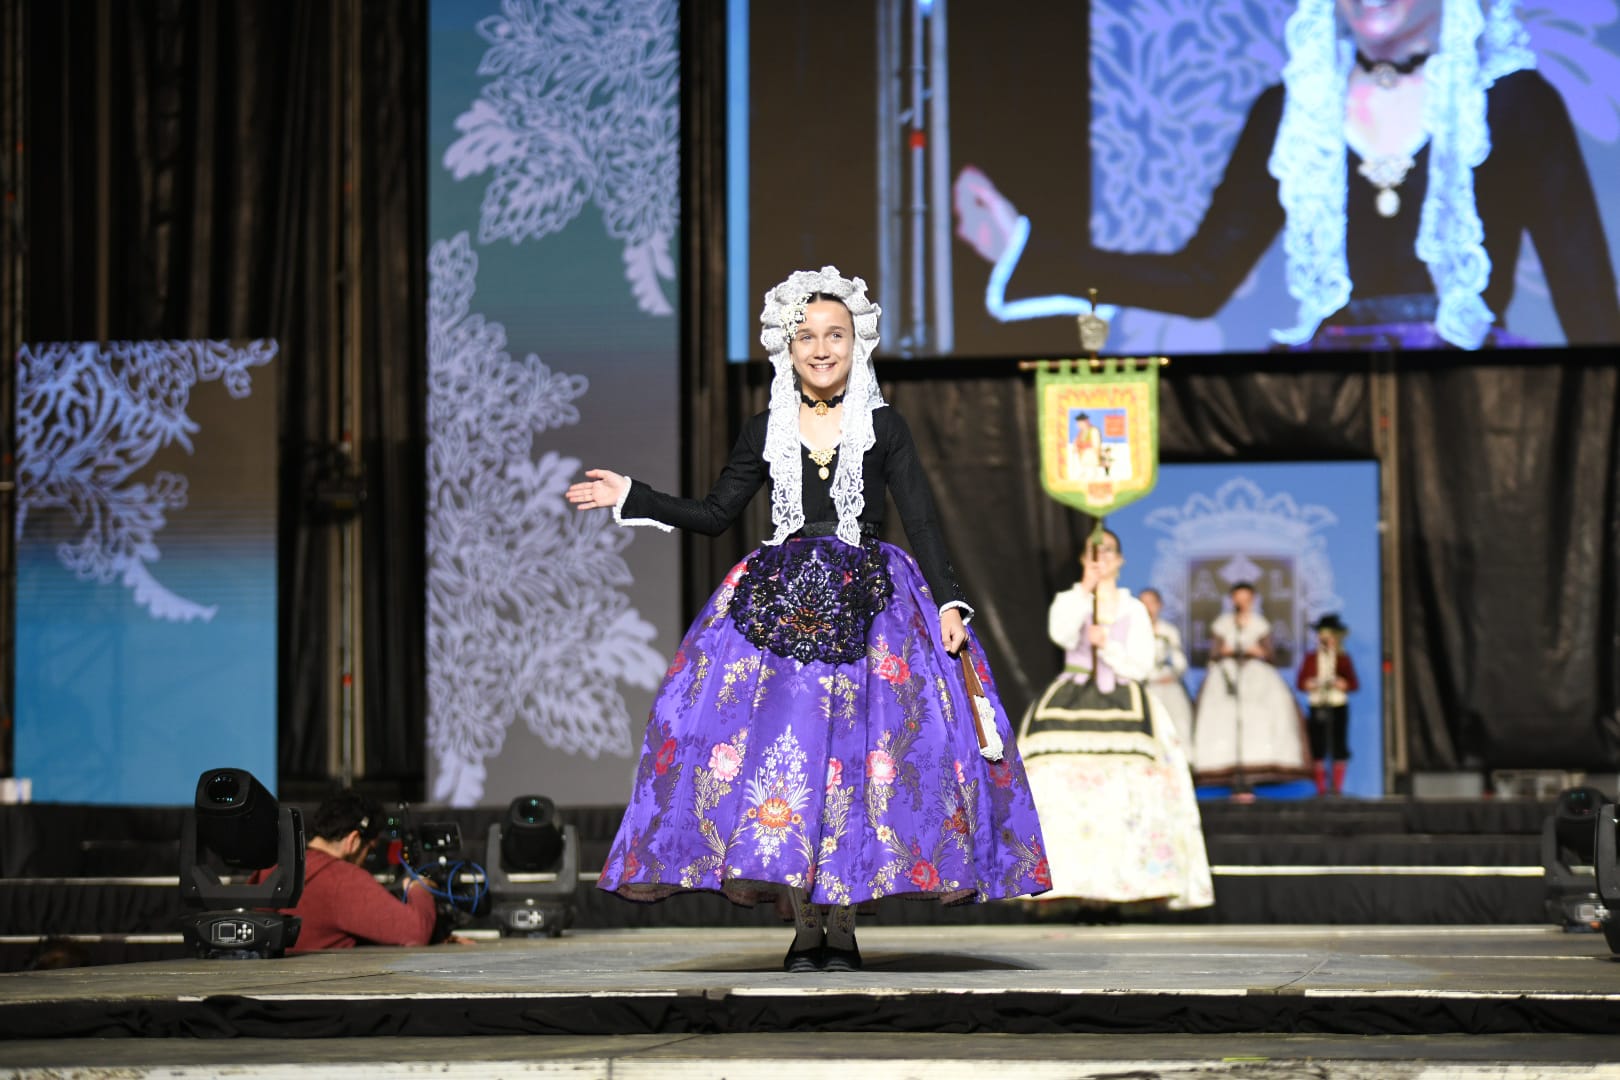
x=1045, y=980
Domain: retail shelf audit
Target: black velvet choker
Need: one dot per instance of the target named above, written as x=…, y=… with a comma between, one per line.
x=1387, y=72
x=821, y=407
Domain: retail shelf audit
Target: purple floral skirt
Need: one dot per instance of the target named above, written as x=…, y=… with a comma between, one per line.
x=851, y=779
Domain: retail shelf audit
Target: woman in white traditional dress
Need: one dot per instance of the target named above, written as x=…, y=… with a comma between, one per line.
x=1248, y=728
x=1106, y=765
x=1169, y=665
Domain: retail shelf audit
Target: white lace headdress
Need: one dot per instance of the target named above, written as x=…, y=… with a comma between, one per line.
x=783, y=311
x=1310, y=165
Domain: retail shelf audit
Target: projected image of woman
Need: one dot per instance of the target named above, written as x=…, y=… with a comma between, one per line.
x=814, y=734
x=1407, y=154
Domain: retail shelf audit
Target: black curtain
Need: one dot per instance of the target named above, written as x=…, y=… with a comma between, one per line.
x=185, y=179
x=1510, y=559
x=1013, y=546
x=1507, y=531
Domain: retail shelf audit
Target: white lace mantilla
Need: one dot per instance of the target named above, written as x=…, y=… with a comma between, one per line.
x=89, y=417
x=584, y=107
x=782, y=310
x=526, y=617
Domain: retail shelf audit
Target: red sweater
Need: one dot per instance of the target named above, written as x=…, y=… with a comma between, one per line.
x=343, y=906
x=1343, y=668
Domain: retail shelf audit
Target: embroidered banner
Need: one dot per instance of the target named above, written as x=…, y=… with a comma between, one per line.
x=1099, y=431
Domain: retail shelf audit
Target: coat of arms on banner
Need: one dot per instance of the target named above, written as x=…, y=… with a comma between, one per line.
x=1099, y=431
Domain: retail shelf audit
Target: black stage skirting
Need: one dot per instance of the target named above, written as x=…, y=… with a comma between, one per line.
x=111, y=870
x=62, y=840
x=1009, y=1013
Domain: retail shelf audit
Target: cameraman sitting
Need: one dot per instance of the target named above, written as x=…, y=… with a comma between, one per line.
x=342, y=905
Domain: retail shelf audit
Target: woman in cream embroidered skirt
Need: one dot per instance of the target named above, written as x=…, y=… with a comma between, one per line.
x=812, y=733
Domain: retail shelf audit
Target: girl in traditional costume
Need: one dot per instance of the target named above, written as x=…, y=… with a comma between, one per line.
x=816, y=734
x=1169, y=665
x=1106, y=763
x=1329, y=678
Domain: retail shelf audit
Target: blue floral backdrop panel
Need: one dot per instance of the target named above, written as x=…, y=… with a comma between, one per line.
x=146, y=567
x=1305, y=534
x=552, y=348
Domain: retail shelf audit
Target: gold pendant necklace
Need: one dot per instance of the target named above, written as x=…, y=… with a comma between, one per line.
x=821, y=407
x=823, y=458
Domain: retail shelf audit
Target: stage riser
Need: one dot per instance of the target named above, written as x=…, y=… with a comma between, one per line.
x=49, y=840
x=1270, y=861
x=1240, y=900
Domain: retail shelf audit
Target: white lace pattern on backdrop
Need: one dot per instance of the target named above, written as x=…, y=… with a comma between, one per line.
x=584, y=107
x=89, y=417
x=526, y=619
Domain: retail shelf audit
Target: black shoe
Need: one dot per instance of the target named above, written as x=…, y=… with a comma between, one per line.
x=804, y=961
x=841, y=959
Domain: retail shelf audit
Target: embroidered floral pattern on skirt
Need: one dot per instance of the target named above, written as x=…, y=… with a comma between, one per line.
x=852, y=779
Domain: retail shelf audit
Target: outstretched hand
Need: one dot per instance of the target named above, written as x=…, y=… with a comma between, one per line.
x=985, y=218
x=952, y=632
x=604, y=489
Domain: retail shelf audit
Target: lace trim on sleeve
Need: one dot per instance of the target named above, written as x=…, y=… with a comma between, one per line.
x=620, y=519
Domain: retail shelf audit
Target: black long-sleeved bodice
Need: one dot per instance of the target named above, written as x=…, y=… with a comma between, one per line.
x=891, y=465
x=1534, y=181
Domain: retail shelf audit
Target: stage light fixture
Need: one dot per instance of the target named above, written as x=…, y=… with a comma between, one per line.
x=1568, y=850
x=531, y=842
x=235, y=822
x=1606, y=869
x=532, y=868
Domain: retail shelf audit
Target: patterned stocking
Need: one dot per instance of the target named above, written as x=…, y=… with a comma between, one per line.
x=807, y=921
x=841, y=928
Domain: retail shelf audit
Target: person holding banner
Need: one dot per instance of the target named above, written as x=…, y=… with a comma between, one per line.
x=1248, y=728
x=1106, y=763
x=1169, y=665
x=828, y=728
x=1407, y=154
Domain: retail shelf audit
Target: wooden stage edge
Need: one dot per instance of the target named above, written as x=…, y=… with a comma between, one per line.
x=1024, y=980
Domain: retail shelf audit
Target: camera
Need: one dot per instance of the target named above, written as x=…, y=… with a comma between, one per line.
x=431, y=851
x=402, y=842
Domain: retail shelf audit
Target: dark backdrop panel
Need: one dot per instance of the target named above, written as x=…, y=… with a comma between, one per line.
x=185, y=180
